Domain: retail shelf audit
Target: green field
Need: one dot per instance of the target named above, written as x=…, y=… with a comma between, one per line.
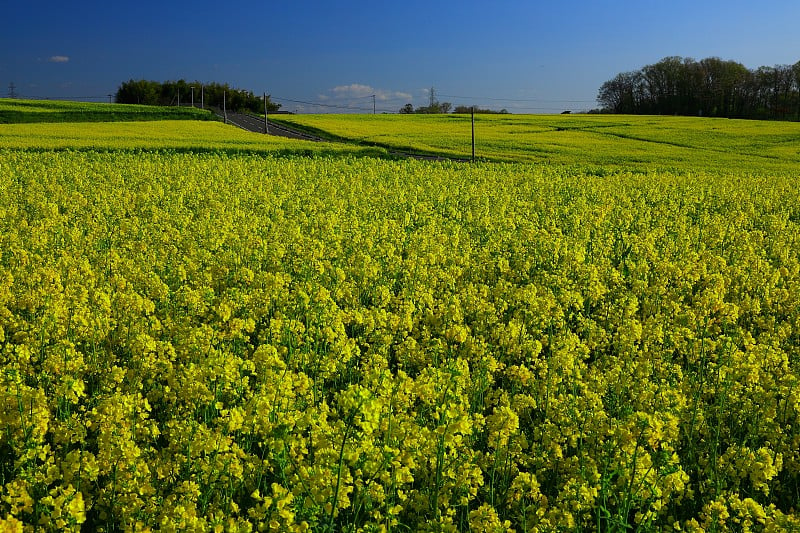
x=639, y=142
x=181, y=135
x=25, y=111
x=603, y=142
x=204, y=329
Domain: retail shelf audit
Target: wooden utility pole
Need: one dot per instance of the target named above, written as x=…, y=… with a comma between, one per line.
x=266, y=122
x=373, y=104
x=473, y=133
x=224, y=107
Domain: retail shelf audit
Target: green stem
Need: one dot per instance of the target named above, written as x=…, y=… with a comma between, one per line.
x=339, y=472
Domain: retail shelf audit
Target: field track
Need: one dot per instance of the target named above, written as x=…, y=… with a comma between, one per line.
x=256, y=125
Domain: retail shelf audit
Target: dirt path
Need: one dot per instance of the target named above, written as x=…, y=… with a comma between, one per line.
x=256, y=125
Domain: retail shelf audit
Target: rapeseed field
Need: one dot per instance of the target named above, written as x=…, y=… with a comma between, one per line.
x=627, y=142
x=200, y=340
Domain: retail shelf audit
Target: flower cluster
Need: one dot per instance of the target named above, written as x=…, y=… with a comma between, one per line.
x=245, y=343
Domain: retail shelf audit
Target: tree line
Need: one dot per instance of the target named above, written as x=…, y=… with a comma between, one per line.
x=446, y=107
x=435, y=106
x=710, y=87
x=180, y=92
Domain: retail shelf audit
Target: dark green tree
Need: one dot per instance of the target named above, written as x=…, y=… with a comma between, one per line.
x=710, y=87
x=173, y=92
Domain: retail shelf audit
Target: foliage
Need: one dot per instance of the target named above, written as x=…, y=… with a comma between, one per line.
x=29, y=111
x=465, y=109
x=710, y=87
x=445, y=108
x=247, y=342
x=174, y=92
x=434, y=106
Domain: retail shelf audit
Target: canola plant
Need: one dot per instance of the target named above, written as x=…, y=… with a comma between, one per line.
x=210, y=342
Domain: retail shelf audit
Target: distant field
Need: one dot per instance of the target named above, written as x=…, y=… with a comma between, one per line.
x=633, y=142
x=160, y=135
x=25, y=111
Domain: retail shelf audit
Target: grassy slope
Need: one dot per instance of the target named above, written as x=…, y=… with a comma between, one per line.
x=26, y=111
x=642, y=142
x=161, y=135
x=58, y=125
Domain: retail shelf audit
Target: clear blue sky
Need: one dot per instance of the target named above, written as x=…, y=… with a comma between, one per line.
x=531, y=56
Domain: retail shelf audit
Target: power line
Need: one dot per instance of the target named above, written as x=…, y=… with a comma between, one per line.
x=31, y=97
x=353, y=107
x=335, y=106
x=543, y=100
x=537, y=108
x=318, y=104
x=387, y=110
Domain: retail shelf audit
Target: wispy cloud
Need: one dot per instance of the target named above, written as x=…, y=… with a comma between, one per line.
x=354, y=90
x=359, y=90
x=397, y=95
x=58, y=59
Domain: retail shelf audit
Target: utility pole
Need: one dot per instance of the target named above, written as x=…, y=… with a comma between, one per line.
x=12, y=90
x=202, y=95
x=373, y=104
x=432, y=98
x=473, y=133
x=192, y=87
x=179, y=96
x=224, y=107
x=266, y=122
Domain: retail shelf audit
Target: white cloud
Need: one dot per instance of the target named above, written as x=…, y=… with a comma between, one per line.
x=354, y=90
x=59, y=59
x=358, y=90
x=397, y=95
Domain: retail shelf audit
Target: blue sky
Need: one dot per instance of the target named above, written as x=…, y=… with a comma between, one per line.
x=535, y=57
